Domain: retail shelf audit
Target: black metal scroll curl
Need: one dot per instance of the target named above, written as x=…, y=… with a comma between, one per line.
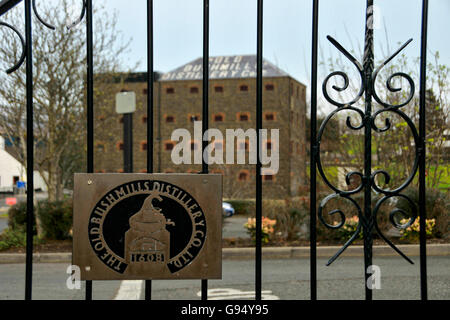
x=69, y=26
x=322, y=205
x=368, y=120
x=389, y=82
x=319, y=162
x=396, y=212
x=344, y=76
x=415, y=166
x=22, y=42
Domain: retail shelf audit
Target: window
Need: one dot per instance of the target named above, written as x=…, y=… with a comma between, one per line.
x=244, y=175
x=243, y=116
x=218, y=117
x=143, y=145
x=269, y=87
x=144, y=119
x=120, y=145
x=269, y=116
x=243, y=87
x=194, y=145
x=193, y=90
x=170, y=90
x=218, y=89
x=193, y=117
x=170, y=119
x=168, y=146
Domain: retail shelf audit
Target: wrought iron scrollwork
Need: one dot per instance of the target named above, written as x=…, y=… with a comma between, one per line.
x=22, y=42
x=368, y=120
x=22, y=58
x=52, y=27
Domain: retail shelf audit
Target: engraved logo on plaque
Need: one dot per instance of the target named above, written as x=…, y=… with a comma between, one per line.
x=147, y=223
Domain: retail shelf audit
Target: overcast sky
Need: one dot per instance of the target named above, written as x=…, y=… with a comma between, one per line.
x=287, y=29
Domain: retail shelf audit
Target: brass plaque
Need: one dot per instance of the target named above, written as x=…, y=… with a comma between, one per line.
x=142, y=226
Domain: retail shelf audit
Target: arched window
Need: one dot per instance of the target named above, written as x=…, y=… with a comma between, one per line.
x=244, y=175
x=243, y=87
x=219, y=117
x=243, y=116
x=193, y=89
x=168, y=145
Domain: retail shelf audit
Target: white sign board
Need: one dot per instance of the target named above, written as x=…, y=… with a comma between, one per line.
x=126, y=102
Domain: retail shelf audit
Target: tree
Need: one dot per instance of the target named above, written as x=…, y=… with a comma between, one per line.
x=59, y=62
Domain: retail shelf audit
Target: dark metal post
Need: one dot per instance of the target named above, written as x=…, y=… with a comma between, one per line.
x=422, y=153
x=150, y=80
x=205, y=102
x=368, y=65
x=90, y=106
x=128, y=142
x=30, y=151
x=313, y=150
x=259, y=63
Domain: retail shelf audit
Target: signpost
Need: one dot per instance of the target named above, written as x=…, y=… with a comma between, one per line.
x=126, y=105
x=148, y=226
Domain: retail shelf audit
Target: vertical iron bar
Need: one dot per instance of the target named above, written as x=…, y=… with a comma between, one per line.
x=422, y=155
x=259, y=63
x=150, y=80
x=313, y=150
x=205, y=113
x=30, y=151
x=368, y=219
x=90, y=107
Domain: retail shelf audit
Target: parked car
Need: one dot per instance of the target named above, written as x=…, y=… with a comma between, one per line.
x=227, y=209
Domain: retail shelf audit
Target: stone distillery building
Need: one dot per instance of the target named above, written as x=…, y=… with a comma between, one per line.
x=232, y=105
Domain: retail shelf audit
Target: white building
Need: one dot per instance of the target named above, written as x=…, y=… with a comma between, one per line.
x=11, y=171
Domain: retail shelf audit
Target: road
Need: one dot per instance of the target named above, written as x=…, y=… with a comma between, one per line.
x=282, y=279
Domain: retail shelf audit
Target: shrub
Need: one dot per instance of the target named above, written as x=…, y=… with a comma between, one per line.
x=266, y=230
x=437, y=207
x=413, y=231
x=290, y=214
x=17, y=217
x=12, y=238
x=56, y=218
x=349, y=228
x=243, y=207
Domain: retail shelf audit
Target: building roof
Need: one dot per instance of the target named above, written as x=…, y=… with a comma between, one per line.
x=223, y=67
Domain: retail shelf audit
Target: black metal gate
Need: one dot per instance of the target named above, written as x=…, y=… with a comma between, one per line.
x=367, y=214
